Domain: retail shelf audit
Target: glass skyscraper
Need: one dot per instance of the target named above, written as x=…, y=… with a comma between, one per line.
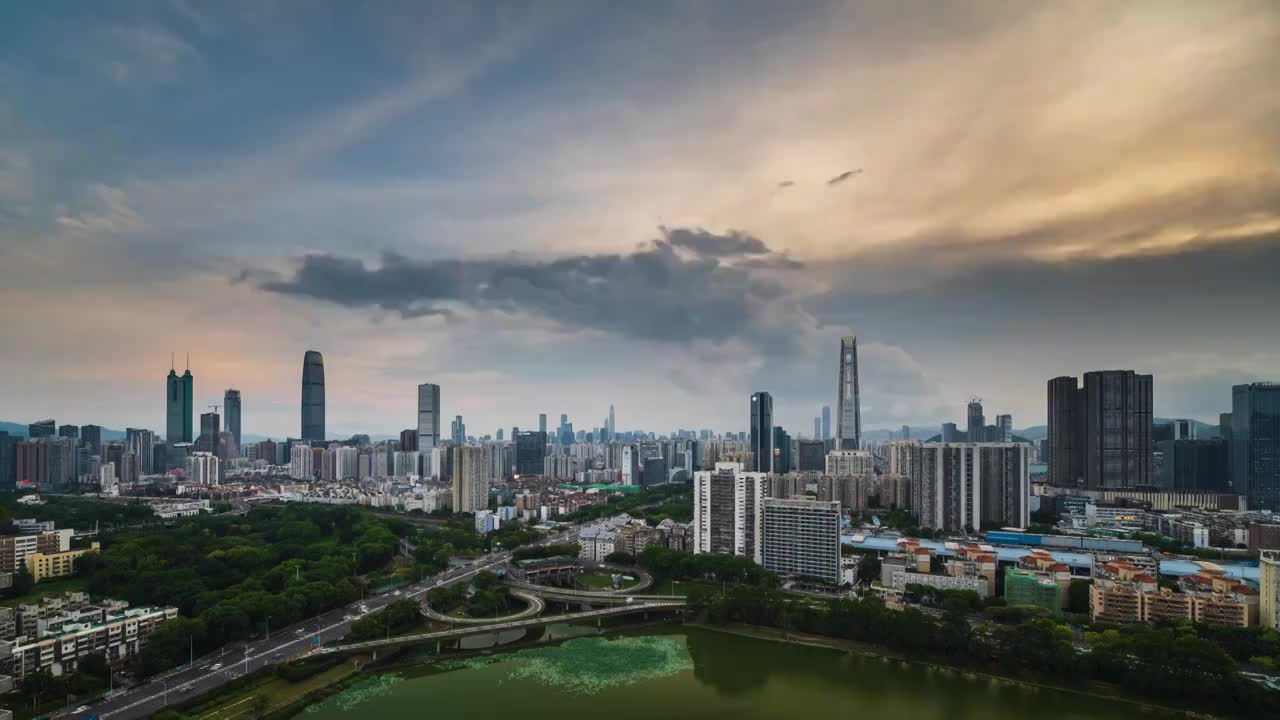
x=428, y=417
x=313, y=397
x=178, y=395
x=848, y=404
x=1255, y=444
x=761, y=431
x=231, y=411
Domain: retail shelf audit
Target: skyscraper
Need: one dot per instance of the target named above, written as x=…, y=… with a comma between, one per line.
x=459, y=430
x=848, y=403
x=1117, y=429
x=91, y=435
x=313, y=397
x=231, y=409
x=531, y=452
x=726, y=510
x=826, y=423
x=761, y=432
x=1004, y=428
x=179, y=393
x=69, y=431
x=1255, y=444
x=781, y=451
x=974, y=431
x=210, y=428
x=542, y=422
x=428, y=417
x=142, y=444
x=42, y=428
x=817, y=428
x=1066, y=433
x=612, y=428
x=1100, y=435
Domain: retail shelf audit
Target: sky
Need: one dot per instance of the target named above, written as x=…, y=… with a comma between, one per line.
x=555, y=207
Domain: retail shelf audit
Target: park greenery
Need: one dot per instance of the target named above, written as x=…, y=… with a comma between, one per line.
x=667, y=564
x=398, y=617
x=536, y=552
x=1187, y=663
x=232, y=577
x=486, y=597
x=672, y=501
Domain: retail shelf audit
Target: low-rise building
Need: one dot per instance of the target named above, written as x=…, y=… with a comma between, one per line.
x=118, y=636
x=14, y=549
x=43, y=566
x=1029, y=587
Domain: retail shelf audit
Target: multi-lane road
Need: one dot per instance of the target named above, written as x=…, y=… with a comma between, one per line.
x=211, y=671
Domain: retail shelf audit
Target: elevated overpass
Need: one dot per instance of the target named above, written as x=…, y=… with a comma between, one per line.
x=666, y=604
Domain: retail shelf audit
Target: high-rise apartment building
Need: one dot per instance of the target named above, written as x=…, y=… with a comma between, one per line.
x=1255, y=444
x=848, y=402
x=203, y=469
x=1065, y=433
x=801, y=538
x=313, y=408
x=428, y=417
x=850, y=462
x=970, y=485
x=301, y=463
x=762, y=432
x=231, y=410
x=8, y=459
x=470, y=479
x=726, y=510
x=826, y=423
x=1269, y=589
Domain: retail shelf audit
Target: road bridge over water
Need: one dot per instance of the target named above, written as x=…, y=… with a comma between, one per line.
x=665, y=604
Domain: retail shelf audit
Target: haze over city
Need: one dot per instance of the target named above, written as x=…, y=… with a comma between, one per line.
x=550, y=208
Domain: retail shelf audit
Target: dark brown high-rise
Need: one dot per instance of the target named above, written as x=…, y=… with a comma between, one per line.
x=1065, y=431
x=1100, y=435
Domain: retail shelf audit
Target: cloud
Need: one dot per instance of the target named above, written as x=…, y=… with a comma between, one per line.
x=681, y=287
x=711, y=245
x=844, y=176
x=148, y=55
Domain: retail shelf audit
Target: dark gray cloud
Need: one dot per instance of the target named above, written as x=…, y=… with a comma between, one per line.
x=702, y=242
x=700, y=292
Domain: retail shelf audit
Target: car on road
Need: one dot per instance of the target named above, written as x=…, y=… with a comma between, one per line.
x=80, y=709
x=216, y=667
x=397, y=593
x=348, y=618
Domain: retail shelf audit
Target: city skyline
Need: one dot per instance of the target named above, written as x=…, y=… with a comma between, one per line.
x=429, y=216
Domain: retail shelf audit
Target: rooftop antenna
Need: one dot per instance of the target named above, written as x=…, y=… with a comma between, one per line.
x=170, y=361
x=188, y=362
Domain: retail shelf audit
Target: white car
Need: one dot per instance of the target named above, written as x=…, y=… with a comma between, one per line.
x=80, y=709
x=216, y=667
x=396, y=593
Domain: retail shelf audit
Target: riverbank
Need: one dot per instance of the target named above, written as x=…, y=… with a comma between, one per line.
x=1095, y=690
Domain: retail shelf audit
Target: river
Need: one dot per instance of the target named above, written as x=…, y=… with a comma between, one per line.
x=697, y=673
